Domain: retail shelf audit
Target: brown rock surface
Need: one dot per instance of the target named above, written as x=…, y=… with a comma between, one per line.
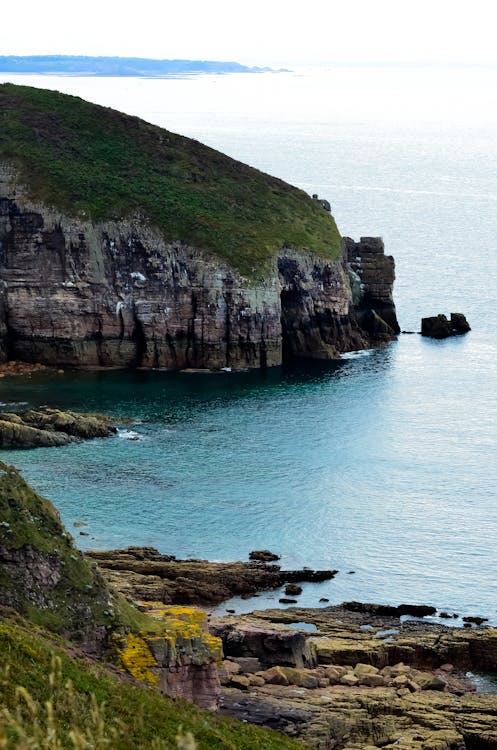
x=144, y=574
x=355, y=718
x=395, y=685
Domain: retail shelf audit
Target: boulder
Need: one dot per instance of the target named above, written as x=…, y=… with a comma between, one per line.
x=301, y=677
x=274, y=676
x=372, y=680
x=362, y=669
x=263, y=555
x=293, y=589
x=349, y=679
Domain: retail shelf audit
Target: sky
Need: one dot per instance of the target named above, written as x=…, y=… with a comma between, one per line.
x=259, y=32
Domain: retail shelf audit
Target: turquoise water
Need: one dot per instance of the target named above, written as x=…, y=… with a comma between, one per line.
x=383, y=464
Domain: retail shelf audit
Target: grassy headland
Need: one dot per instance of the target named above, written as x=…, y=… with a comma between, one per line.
x=99, y=164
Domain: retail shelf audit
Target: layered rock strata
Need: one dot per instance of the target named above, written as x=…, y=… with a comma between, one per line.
x=117, y=294
x=180, y=659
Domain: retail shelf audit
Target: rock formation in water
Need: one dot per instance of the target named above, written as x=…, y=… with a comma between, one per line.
x=143, y=573
x=49, y=428
x=438, y=327
x=124, y=245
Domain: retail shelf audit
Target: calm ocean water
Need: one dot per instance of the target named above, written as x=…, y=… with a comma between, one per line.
x=383, y=464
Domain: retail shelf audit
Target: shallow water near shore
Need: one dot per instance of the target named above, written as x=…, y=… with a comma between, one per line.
x=382, y=464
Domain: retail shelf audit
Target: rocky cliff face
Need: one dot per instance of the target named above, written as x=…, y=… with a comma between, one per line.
x=116, y=294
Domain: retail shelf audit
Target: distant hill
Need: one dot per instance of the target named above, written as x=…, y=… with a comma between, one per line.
x=117, y=66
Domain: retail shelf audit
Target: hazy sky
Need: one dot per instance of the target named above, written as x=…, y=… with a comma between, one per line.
x=274, y=32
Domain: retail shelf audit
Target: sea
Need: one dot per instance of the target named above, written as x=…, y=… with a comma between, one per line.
x=383, y=465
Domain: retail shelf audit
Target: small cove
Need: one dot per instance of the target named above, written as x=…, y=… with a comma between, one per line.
x=383, y=463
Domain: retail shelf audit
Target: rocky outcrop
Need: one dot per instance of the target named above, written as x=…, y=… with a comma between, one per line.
x=348, y=718
x=142, y=573
x=180, y=659
x=361, y=681
x=438, y=327
x=45, y=579
x=117, y=294
x=372, y=274
x=49, y=428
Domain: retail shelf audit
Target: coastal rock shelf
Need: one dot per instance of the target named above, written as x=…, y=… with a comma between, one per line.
x=360, y=681
x=48, y=428
x=142, y=573
x=197, y=261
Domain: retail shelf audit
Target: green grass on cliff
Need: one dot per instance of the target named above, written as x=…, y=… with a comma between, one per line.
x=33, y=540
x=99, y=164
x=50, y=700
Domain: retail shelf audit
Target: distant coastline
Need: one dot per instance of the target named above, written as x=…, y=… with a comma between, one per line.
x=79, y=65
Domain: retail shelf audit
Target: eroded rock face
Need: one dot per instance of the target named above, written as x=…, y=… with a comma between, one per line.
x=73, y=293
x=180, y=659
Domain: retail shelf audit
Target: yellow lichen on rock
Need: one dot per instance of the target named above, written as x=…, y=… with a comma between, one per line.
x=181, y=640
x=137, y=658
x=185, y=629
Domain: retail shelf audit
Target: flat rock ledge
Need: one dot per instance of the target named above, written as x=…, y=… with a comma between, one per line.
x=360, y=681
x=142, y=573
x=47, y=428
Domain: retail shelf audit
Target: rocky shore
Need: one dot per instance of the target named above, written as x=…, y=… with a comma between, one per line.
x=14, y=368
x=48, y=428
x=359, y=681
x=142, y=573
x=353, y=677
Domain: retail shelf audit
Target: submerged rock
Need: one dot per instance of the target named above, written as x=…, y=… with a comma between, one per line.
x=263, y=555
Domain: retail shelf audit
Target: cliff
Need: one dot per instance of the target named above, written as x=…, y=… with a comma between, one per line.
x=122, y=244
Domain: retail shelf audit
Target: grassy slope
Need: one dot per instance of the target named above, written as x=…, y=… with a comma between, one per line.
x=30, y=521
x=129, y=717
x=97, y=163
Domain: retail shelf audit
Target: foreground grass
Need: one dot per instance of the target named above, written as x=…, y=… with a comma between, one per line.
x=99, y=164
x=50, y=700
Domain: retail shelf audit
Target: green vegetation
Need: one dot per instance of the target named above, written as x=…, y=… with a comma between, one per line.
x=52, y=701
x=42, y=575
x=99, y=164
